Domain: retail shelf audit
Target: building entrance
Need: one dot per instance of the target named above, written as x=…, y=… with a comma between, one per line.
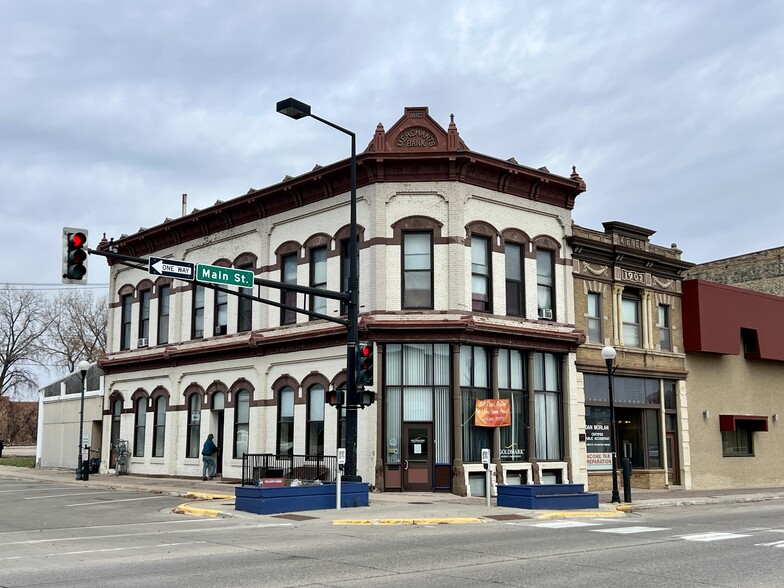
x=417, y=457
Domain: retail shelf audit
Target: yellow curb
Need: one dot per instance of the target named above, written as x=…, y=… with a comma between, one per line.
x=624, y=507
x=433, y=521
x=571, y=514
x=198, y=512
x=207, y=495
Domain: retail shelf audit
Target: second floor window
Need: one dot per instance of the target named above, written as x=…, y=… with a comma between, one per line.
x=288, y=275
x=515, y=294
x=630, y=312
x=197, y=319
x=594, y=317
x=126, y=304
x=480, y=273
x=245, y=307
x=318, y=278
x=417, y=270
x=163, y=314
x=221, y=312
x=545, y=284
x=665, y=330
x=144, y=315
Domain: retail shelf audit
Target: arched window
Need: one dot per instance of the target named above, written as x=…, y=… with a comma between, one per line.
x=159, y=426
x=194, y=425
x=314, y=435
x=140, y=426
x=241, y=422
x=286, y=421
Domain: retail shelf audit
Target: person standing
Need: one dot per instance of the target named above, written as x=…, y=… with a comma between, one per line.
x=208, y=452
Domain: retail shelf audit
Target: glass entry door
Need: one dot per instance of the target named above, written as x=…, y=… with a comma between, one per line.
x=417, y=457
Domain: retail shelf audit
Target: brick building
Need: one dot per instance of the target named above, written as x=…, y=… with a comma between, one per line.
x=627, y=295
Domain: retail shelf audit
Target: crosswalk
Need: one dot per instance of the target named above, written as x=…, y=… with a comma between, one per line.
x=614, y=527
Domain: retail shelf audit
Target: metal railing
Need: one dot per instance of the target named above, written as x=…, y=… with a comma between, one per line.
x=256, y=466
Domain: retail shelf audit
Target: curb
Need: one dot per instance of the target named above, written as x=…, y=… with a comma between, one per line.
x=187, y=509
x=207, y=495
x=430, y=521
x=572, y=514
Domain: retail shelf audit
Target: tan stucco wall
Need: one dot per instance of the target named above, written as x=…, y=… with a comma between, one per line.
x=734, y=385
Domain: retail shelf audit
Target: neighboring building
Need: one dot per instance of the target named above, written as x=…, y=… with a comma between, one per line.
x=627, y=294
x=59, y=404
x=465, y=287
x=734, y=342
x=762, y=271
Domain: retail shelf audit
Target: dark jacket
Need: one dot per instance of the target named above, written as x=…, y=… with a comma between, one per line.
x=209, y=448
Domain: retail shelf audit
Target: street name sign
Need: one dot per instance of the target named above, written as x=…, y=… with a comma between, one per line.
x=172, y=268
x=227, y=276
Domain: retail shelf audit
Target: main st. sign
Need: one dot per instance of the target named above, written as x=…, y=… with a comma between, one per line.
x=228, y=276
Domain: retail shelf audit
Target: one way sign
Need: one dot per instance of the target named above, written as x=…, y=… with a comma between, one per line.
x=172, y=268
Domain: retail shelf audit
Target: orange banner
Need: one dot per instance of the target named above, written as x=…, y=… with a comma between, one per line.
x=492, y=413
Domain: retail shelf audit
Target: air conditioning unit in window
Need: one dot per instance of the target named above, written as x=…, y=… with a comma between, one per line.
x=220, y=329
x=143, y=342
x=546, y=313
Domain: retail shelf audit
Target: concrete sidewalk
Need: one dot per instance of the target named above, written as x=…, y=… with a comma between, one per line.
x=216, y=498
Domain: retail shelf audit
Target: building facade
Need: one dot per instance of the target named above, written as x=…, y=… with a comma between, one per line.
x=59, y=407
x=465, y=288
x=627, y=294
x=735, y=358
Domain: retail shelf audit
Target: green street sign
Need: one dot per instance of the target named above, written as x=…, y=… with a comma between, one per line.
x=228, y=276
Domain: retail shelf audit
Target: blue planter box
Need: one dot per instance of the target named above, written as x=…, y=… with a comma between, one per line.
x=546, y=496
x=261, y=500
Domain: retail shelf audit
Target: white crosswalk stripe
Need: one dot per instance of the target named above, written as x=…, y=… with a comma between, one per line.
x=712, y=536
x=564, y=524
x=628, y=530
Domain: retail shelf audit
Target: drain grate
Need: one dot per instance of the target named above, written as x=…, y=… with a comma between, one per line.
x=420, y=503
x=293, y=517
x=506, y=517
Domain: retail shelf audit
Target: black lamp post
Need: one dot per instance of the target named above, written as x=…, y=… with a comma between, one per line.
x=83, y=367
x=608, y=355
x=296, y=110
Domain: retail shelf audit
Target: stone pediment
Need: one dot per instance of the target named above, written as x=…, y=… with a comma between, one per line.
x=416, y=132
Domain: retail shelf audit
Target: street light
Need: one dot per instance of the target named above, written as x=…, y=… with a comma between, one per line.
x=608, y=355
x=297, y=110
x=84, y=365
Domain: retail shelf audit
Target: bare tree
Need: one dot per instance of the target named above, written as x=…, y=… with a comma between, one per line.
x=77, y=329
x=23, y=322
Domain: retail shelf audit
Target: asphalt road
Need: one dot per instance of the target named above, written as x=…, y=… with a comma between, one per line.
x=52, y=536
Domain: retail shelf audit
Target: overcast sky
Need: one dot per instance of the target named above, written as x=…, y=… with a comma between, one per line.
x=109, y=111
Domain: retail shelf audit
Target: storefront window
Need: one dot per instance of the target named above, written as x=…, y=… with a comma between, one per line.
x=511, y=384
x=474, y=385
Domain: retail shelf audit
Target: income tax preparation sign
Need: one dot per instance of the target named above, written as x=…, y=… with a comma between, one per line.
x=228, y=276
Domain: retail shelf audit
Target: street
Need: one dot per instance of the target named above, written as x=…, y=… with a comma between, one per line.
x=53, y=536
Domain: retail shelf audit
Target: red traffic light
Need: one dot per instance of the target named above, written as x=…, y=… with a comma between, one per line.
x=78, y=240
x=74, y=256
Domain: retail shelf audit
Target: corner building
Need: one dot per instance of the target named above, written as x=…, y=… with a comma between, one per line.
x=465, y=288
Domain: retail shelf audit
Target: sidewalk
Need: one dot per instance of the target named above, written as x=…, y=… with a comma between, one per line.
x=215, y=498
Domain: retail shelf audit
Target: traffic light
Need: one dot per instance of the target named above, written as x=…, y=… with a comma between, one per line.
x=74, y=256
x=336, y=397
x=364, y=363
